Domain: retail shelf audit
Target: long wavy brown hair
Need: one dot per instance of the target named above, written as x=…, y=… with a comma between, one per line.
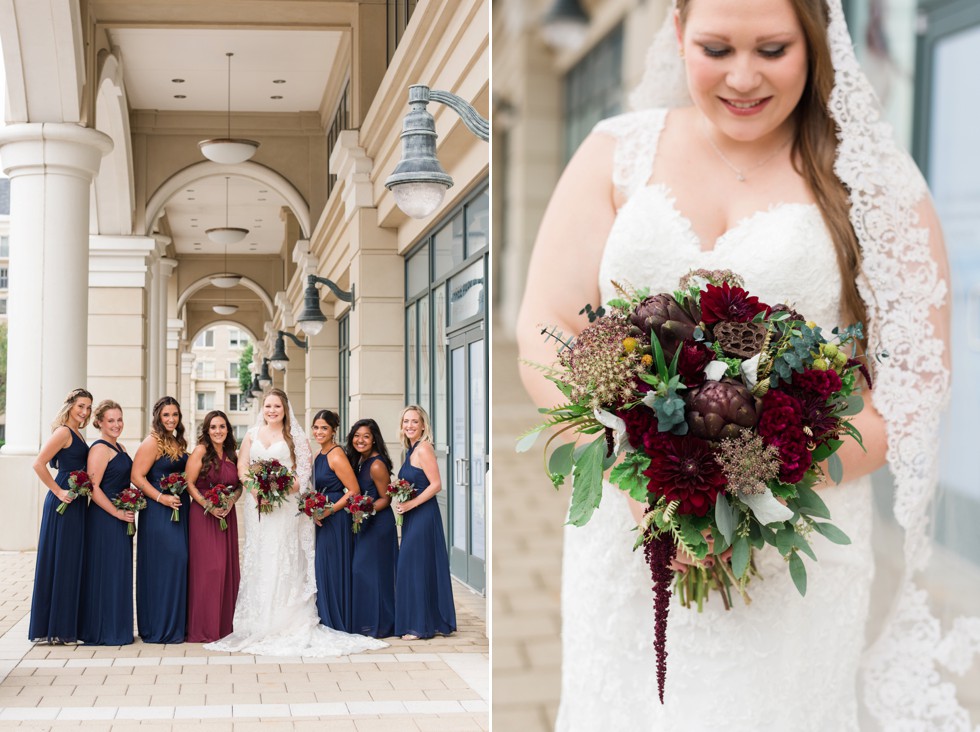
x=815, y=149
x=173, y=445
x=210, y=452
x=287, y=434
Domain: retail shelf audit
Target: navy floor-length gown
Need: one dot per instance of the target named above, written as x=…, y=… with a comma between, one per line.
x=106, y=614
x=373, y=568
x=334, y=551
x=60, y=553
x=161, y=562
x=423, y=590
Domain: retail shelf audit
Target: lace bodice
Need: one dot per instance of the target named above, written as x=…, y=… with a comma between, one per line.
x=609, y=674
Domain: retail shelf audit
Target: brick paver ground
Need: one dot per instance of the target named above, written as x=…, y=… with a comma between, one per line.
x=438, y=684
x=528, y=515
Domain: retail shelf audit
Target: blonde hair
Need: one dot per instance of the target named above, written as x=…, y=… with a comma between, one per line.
x=173, y=446
x=287, y=434
x=104, y=406
x=426, y=425
x=73, y=396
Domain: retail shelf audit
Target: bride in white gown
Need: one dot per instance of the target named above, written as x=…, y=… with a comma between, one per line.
x=276, y=611
x=739, y=173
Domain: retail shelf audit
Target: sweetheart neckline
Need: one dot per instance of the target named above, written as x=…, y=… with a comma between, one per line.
x=664, y=191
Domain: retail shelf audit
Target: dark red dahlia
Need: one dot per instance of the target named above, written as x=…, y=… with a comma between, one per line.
x=781, y=425
x=818, y=383
x=692, y=361
x=819, y=417
x=729, y=303
x=684, y=469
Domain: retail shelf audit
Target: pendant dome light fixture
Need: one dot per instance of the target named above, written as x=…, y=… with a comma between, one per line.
x=226, y=234
x=228, y=150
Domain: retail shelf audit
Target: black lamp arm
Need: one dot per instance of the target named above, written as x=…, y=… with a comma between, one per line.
x=341, y=294
x=294, y=339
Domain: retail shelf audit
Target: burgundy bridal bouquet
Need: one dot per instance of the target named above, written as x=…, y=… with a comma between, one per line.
x=400, y=491
x=719, y=412
x=219, y=496
x=132, y=499
x=270, y=480
x=359, y=507
x=78, y=485
x=176, y=484
x=313, y=504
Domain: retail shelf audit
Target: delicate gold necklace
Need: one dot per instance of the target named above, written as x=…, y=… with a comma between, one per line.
x=740, y=174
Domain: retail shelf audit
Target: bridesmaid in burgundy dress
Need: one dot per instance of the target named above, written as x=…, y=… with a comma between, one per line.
x=213, y=574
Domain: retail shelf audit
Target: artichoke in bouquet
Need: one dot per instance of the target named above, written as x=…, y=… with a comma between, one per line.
x=672, y=323
x=720, y=409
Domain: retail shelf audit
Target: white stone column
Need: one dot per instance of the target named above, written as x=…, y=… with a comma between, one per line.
x=119, y=329
x=175, y=328
x=51, y=167
x=322, y=382
x=158, y=345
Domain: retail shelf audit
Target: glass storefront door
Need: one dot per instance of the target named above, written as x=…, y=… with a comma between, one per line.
x=468, y=453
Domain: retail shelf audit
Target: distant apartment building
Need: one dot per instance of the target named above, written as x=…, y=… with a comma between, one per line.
x=213, y=382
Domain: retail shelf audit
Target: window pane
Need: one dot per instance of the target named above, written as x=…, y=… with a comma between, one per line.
x=593, y=89
x=233, y=402
x=466, y=293
x=424, y=354
x=478, y=224
x=233, y=369
x=3, y=278
x=4, y=246
x=439, y=413
x=418, y=272
x=448, y=243
x=411, y=356
x=478, y=449
x=3, y=306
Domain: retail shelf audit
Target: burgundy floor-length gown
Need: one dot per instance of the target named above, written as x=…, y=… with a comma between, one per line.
x=213, y=574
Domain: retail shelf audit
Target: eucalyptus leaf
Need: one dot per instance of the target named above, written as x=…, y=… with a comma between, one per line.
x=832, y=533
x=784, y=540
x=720, y=543
x=811, y=504
x=561, y=461
x=798, y=572
x=587, y=483
x=725, y=517
x=836, y=468
x=527, y=441
x=803, y=545
x=825, y=450
x=740, y=556
x=855, y=403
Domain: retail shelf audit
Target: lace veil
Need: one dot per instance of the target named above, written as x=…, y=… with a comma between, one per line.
x=902, y=283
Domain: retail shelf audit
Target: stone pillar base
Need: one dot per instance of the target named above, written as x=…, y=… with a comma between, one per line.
x=21, y=495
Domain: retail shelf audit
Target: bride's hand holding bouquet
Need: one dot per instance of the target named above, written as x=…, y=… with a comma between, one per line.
x=270, y=482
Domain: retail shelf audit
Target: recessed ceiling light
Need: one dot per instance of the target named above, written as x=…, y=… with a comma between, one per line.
x=264, y=191
x=177, y=81
x=194, y=226
x=193, y=219
x=180, y=96
x=275, y=96
x=278, y=81
x=261, y=199
x=258, y=221
x=188, y=190
x=191, y=198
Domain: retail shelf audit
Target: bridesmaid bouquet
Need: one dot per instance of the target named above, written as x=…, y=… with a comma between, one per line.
x=313, y=504
x=176, y=484
x=359, y=507
x=219, y=496
x=78, y=485
x=719, y=412
x=400, y=491
x=269, y=480
x=130, y=499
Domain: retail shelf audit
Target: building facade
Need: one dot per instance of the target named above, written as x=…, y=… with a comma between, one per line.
x=107, y=178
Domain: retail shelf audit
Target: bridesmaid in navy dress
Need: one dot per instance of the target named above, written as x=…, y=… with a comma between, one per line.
x=214, y=573
x=106, y=614
x=376, y=544
x=333, y=477
x=58, y=574
x=161, y=544
x=423, y=591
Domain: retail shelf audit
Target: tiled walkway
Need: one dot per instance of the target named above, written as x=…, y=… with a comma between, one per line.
x=439, y=684
x=528, y=515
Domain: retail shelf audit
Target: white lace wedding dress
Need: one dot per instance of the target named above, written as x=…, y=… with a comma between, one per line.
x=276, y=611
x=785, y=662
